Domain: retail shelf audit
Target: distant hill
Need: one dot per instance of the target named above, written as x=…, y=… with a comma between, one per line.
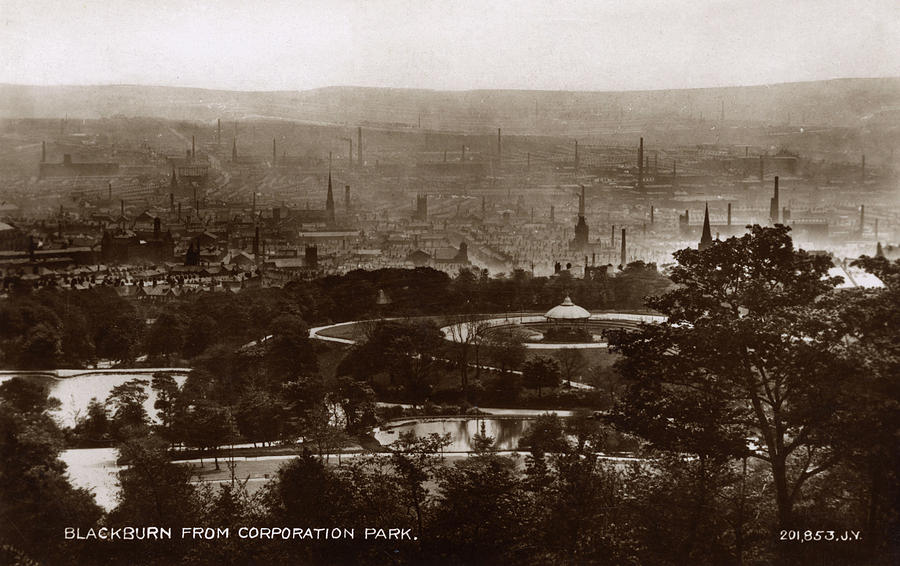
x=834, y=103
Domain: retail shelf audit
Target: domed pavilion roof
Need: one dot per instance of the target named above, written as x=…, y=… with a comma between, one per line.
x=567, y=310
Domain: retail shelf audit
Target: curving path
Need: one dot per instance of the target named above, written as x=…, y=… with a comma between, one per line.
x=316, y=334
x=460, y=332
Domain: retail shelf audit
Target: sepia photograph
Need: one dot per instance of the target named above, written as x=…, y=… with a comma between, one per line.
x=450, y=283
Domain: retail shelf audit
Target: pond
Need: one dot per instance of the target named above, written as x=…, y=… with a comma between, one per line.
x=505, y=431
x=76, y=392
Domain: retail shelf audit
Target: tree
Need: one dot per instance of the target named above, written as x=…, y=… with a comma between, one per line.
x=211, y=426
x=126, y=401
x=541, y=372
x=414, y=461
x=466, y=331
x=259, y=416
x=311, y=415
x=481, y=512
x=745, y=353
x=571, y=363
x=289, y=352
x=118, y=336
x=201, y=333
x=41, y=348
x=37, y=500
x=153, y=491
x=166, y=403
x=357, y=401
x=94, y=427
x=507, y=348
x=166, y=336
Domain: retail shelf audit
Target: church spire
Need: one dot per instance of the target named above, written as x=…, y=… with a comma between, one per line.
x=706, y=238
x=329, y=200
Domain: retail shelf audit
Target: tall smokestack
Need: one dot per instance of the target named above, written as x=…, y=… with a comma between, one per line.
x=651, y=215
x=359, y=151
x=499, y=146
x=641, y=164
x=612, y=236
x=122, y=207
x=347, y=197
x=234, y=150
x=862, y=219
x=109, y=190
x=552, y=213
x=624, y=260
x=729, y=214
x=192, y=147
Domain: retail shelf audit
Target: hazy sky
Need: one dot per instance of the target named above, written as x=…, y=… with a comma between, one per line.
x=447, y=44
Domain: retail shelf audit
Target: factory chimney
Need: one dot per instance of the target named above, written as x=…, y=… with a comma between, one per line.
x=862, y=219
x=652, y=210
x=193, y=147
x=234, y=150
x=552, y=214
x=347, y=197
x=641, y=164
x=499, y=147
x=623, y=259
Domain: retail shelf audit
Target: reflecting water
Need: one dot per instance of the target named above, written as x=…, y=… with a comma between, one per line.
x=94, y=469
x=506, y=432
x=76, y=392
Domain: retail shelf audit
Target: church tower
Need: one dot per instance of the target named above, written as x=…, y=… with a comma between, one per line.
x=581, y=228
